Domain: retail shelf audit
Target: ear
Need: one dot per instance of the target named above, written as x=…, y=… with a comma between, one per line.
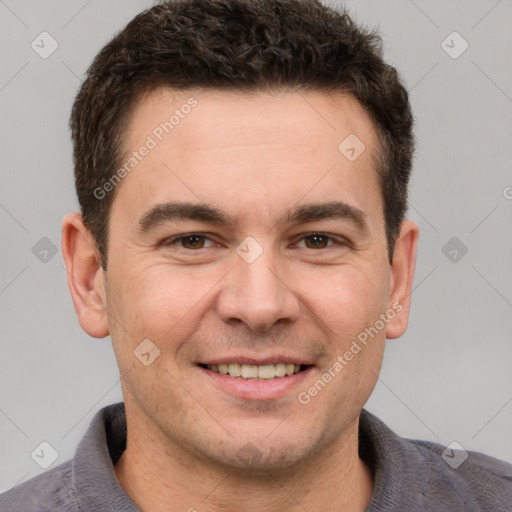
x=86, y=278
x=401, y=278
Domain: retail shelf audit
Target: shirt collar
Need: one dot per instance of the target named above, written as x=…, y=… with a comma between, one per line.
x=93, y=474
x=391, y=458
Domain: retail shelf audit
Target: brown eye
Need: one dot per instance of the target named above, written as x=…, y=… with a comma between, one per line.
x=191, y=241
x=319, y=241
x=316, y=241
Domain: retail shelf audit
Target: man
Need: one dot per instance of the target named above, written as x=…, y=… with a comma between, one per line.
x=242, y=171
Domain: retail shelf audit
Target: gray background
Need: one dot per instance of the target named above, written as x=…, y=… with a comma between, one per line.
x=447, y=379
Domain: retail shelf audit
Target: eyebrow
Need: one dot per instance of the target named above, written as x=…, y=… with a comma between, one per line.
x=171, y=211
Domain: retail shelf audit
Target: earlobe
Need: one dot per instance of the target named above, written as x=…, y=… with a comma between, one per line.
x=86, y=279
x=402, y=276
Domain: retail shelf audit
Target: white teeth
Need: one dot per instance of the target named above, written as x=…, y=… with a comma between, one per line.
x=267, y=371
x=234, y=370
x=250, y=371
x=280, y=370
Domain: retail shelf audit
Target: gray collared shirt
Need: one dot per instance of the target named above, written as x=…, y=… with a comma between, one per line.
x=409, y=475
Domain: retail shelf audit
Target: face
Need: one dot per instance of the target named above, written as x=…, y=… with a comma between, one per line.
x=245, y=235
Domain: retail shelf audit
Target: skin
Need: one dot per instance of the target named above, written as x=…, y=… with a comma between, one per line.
x=254, y=156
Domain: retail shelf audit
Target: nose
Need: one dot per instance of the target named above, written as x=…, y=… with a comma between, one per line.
x=258, y=294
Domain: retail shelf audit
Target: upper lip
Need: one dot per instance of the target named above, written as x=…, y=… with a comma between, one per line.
x=258, y=361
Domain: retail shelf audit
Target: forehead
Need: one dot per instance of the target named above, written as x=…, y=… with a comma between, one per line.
x=202, y=117
x=259, y=150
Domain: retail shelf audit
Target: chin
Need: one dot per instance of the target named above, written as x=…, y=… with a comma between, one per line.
x=260, y=458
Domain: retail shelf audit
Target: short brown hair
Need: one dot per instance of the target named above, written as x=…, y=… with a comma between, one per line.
x=242, y=45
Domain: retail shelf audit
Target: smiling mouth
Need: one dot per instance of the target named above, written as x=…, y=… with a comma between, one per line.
x=255, y=372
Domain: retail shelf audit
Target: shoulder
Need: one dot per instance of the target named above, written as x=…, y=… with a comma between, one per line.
x=479, y=481
x=50, y=491
x=412, y=474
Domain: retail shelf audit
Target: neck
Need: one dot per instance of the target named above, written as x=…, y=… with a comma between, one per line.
x=163, y=477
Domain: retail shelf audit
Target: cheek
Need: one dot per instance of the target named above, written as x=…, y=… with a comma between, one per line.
x=346, y=299
x=157, y=301
x=348, y=314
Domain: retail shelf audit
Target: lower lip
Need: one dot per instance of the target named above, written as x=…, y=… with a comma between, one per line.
x=257, y=389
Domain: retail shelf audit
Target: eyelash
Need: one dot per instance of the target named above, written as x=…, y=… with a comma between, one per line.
x=176, y=239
